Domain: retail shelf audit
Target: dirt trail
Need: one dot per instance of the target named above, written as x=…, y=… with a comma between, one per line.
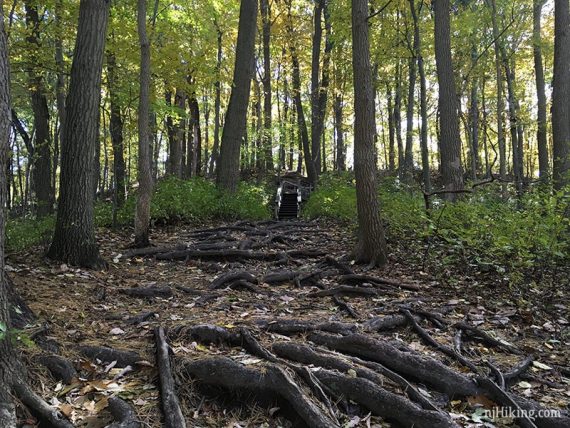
x=268, y=325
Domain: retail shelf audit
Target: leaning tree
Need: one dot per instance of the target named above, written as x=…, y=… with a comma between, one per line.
x=371, y=246
x=235, y=123
x=74, y=237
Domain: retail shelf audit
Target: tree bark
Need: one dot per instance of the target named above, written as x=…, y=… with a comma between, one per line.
x=74, y=237
x=116, y=128
x=452, y=172
x=195, y=142
x=561, y=95
x=409, y=151
x=423, y=103
x=267, y=120
x=7, y=363
x=391, y=132
x=144, y=193
x=397, y=115
x=371, y=246
x=217, y=107
x=235, y=123
x=315, y=84
x=500, y=101
x=305, y=143
x=541, y=134
x=339, y=131
x=41, y=173
x=60, y=89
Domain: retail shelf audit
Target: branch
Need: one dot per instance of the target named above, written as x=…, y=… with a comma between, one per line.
x=378, y=12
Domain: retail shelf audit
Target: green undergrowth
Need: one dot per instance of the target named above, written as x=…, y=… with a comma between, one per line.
x=481, y=231
x=174, y=200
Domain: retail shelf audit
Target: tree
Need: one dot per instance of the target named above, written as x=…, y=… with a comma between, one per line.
x=235, y=123
x=116, y=130
x=74, y=237
x=371, y=246
x=450, y=139
x=266, y=80
x=7, y=411
x=41, y=158
x=144, y=194
x=541, y=133
x=561, y=95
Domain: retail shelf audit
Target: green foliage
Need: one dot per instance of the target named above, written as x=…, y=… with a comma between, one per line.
x=174, y=200
x=26, y=232
x=483, y=231
x=195, y=200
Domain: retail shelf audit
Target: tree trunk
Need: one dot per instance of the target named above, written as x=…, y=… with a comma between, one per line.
x=217, y=107
x=267, y=120
x=391, y=132
x=7, y=363
x=301, y=123
x=500, y=101
x=144, y=193
x=235, y=123
x=561, y=95
x=371, y=246
x=409, y=154
x=542, y=139
x=41, y=173
x=423, y=102
x=315, y=84
x=398, y=117
x=474, y=120
x=451, y=169
x=339, y=130
x=116, y=127
x=195, y=144
x=74, y=237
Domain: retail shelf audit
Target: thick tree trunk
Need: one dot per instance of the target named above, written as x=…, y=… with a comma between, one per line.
x=41, y=173
x=7, y=367
x=452, y=172
x=116, y=127
x=235, y=123
x=74, y=237
x=144, y=193
x=60, y=90
x=542, y=139
x=315, y=83
x=561, y=95
x=371, y=246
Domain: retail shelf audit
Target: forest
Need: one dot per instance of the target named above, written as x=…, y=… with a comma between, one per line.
x=285, y=213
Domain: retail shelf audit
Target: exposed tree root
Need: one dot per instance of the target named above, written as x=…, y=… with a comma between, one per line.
x=221, y=281
x=426, y=337
x=269, y=378
x=382, y=402
x=346, y=290
x=292, y=326
x=60, y=368
x=123, y=413
x=409, y=364
x=345, y=307
x=108, y=355
x=486, y=338
x=173, y=417
x=38, y=406
x=361, y=279
x=148, y=292
x=384, y=323
x=307, y=355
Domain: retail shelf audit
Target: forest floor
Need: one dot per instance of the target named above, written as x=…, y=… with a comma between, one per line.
x=263, y=336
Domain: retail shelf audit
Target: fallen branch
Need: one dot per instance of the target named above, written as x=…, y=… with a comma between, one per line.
x=173, y=417
x=486, y=338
